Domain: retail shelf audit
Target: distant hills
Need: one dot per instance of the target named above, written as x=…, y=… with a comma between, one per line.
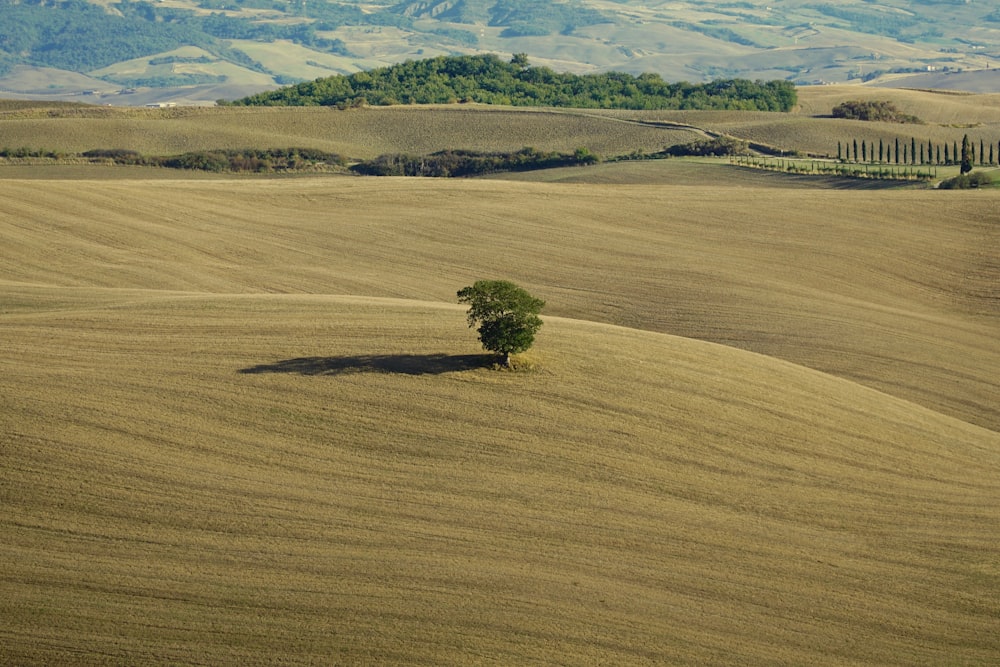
x=198, y=51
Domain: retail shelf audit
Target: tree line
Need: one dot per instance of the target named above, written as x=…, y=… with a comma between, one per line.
x=447, y=163
x=487, y=79
x=458, y=163
x=914, y=152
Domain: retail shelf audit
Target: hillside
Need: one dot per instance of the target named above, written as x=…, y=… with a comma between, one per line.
x=244, y=422
x=200, y=51
x=365, y=133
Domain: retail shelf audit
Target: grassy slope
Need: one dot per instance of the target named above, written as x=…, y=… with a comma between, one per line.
x=223, y=479
x=363, y=133
x=370, y=132
x=865, y=284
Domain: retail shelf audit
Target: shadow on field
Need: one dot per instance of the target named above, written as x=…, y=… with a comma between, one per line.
x=406, y=364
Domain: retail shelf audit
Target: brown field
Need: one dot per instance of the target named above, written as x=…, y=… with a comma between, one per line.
x=244, y=422
x=369, y=132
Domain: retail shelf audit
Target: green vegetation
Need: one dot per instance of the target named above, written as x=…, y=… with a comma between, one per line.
x=489, y=80
x=245, y=160
x=873, y=110
x=976, y=179
x=880, y=172
x=79, y=36
x=967, y=155
x=913, y=152
x=470, y=163
x=507, y=316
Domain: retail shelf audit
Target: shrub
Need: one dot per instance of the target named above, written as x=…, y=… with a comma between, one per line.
x=976, y=179
x=873, y=110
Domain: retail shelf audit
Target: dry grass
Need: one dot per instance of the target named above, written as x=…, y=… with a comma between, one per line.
x=243, y=421
x=366, y=133
x=199, y=479
x=358, y=133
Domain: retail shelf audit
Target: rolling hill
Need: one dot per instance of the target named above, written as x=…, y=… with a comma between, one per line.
x=200, y=51
x=244, y=421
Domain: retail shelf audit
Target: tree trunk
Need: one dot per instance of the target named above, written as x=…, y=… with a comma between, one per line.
x=505, y=359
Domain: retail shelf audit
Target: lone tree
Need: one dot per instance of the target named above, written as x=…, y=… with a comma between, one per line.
x=506, y=314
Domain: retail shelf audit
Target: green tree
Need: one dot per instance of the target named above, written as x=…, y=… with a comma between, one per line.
x=966, y=156
x=506, y=315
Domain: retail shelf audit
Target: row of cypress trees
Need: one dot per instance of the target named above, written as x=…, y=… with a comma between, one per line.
x=920, y=153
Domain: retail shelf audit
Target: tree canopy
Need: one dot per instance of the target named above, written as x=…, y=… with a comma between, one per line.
x=506, y=315
x=487, y=79
x=873, y=110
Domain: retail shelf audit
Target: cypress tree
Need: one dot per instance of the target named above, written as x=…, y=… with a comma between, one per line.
x=947, y=159
x=982, y=153
x=855, y=150
x=897, y=150
x=937, y=160
x=922, y=160
x=913, y=150
x=881, y=151
x=967, y=155
x=864, y=151
x=839, y=154
x=991, y=154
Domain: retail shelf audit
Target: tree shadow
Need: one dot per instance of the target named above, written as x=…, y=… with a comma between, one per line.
x=405, y=364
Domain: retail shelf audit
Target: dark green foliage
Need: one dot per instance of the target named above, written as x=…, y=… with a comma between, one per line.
x=246, y=160
x=470, y=163
x=714, y=147
x=873, y=111
x=506, y=315
x=967, y=156
x=487, y=79
x=965, y=181
x=24, y=151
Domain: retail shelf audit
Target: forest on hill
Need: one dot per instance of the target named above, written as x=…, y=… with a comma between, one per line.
x=487, y=79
